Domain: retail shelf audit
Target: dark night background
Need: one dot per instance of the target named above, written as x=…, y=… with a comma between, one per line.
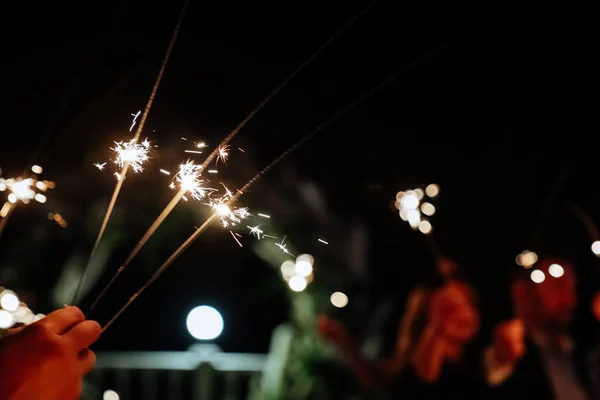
x=493, y=118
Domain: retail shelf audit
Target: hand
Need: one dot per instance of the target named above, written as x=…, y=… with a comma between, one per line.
x=333, y=331
x=47, y=360
x=452, y=313
x=509, y=341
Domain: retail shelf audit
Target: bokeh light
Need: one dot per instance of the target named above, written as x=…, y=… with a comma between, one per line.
x=110, y=395
x=339, y=299
x=297, y=283
x=596, y=247
x=556, y=270
x=425, y=227
x=204, y=323
x=6, y=319
x=538, y=276
x=527, y=259
x=428, y=209
x=432, y=190
x=9, y=301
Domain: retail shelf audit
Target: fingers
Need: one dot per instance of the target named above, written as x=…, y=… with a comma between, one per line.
x=87, y=360
x=84, y=334
x=62, y=320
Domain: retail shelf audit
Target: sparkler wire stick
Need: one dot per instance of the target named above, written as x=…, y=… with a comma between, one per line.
x=163, y=215
x=227, y=139
x=259, y=175
x=138, y=132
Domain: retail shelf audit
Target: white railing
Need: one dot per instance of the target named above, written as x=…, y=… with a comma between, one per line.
x=204, y=372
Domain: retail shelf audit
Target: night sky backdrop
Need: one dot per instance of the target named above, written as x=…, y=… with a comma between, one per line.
x=493, y=118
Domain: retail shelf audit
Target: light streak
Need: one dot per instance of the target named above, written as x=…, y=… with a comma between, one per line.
x=236, y=239
x=256, y=231
x=322, y=241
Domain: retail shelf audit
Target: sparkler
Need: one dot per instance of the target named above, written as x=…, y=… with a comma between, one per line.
x=259, y=175
x=126, y=164
x=221, y=152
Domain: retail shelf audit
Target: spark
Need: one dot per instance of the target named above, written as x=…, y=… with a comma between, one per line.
x=269, y=236
x=212, y=171
x=100, y=166
x=263, y=215
x=223, y=154
x=135, y=116
x=236, y=239
x=283, y=247
x=133, y=153
x=188, y=178
x=255, y=230
x=228, y=216
x=182, y=138
x=240, y=149
x=322, y=241
x=193, y=151
x=200, y=145
x=164, y=171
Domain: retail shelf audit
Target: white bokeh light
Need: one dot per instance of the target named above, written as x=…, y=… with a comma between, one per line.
x=9, y=301
x=6, y=319
x=410, y=202
x=305, y=258
x=204, y=323
x=297, y=283
x=538, y=276
x=339, y=299
x=596, y=247
x=556, y=270
x=110, y=395
x=303, y=268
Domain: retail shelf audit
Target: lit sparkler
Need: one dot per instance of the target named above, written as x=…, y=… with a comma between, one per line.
x=122, y=175
x=169, y=261
x=132, y=153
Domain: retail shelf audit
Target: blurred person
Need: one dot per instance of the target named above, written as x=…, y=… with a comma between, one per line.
x=537, y=355
x=430, y=358
x=48, y=359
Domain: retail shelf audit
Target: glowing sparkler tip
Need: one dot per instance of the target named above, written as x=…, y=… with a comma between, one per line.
x=133, y=153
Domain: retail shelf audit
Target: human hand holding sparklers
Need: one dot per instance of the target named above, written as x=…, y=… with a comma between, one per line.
x=47, y=360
